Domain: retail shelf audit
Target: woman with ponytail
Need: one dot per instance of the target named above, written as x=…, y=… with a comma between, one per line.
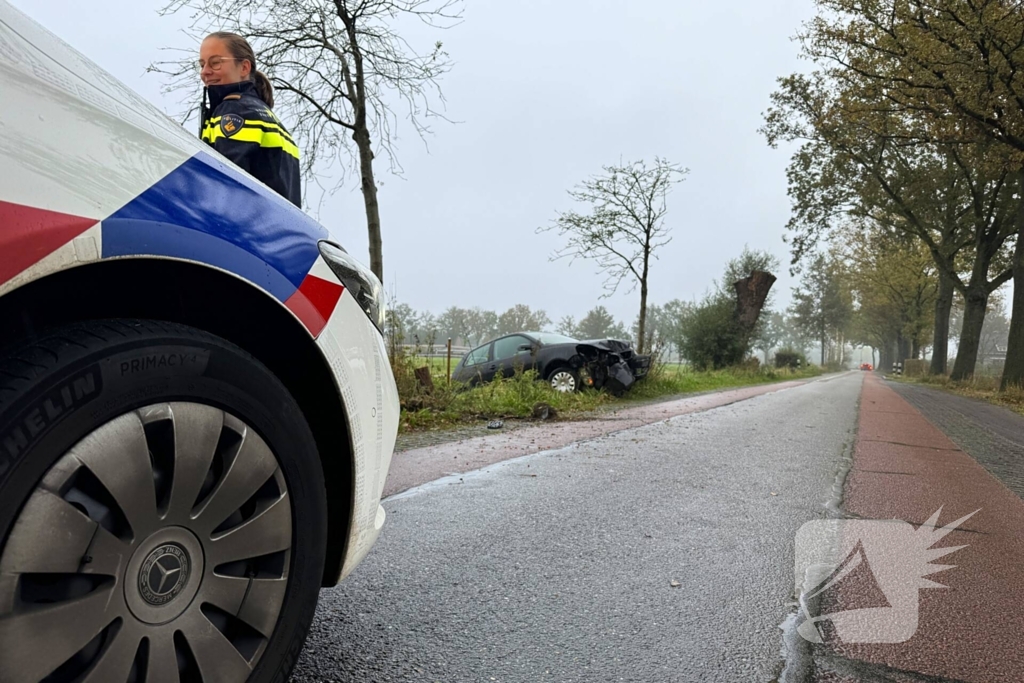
x=239, y=121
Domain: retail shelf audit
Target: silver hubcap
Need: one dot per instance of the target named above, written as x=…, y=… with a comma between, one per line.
x=156, y=549
x=563, y=381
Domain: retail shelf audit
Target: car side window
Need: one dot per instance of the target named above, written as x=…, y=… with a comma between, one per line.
x=508, y=347
x=478, y=356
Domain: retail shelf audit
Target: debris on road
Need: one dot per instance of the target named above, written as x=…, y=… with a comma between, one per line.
x=544, y=411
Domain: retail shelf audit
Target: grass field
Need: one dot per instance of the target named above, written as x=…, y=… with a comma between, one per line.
x=438, y=366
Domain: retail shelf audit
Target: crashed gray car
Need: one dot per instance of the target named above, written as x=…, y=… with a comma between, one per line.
x=567, y=364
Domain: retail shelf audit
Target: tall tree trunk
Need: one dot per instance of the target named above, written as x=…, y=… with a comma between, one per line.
x=643, y=297
x=915, y=349
x=975, y=303
x=943, y=307
x=642, y=325
x=1013, y=370
x=356, y=86
x=369, y=187
x=823, y=347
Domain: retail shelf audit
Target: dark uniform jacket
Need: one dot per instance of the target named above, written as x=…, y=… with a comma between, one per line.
x=242, y=127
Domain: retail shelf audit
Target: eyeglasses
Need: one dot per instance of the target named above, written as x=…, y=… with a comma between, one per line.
x=215, y=63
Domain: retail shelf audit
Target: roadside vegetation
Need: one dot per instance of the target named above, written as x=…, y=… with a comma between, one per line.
x=522, y=397
x=906, y=185
x=681, y=379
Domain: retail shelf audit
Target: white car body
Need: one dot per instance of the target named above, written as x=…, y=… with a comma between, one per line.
x=93, y=173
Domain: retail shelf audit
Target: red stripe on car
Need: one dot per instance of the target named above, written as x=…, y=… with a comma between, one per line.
x=314, y=301
x=28, y=234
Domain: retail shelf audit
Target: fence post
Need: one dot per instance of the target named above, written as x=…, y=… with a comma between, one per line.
x=449, y=360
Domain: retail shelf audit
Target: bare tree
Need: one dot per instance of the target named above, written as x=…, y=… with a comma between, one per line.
x=340, y=67
x=625, y=226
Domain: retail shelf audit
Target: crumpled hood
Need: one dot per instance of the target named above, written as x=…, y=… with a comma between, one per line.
x=606, y=345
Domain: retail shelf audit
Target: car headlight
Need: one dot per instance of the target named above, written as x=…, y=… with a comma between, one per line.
x=358, y=280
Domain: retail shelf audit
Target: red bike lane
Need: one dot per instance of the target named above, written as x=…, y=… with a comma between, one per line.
x=905, y=468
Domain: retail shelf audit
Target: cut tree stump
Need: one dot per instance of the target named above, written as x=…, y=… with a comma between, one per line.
x=751, y=293
x=425, y=380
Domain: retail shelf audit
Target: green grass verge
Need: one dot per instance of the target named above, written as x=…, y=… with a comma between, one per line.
x=682, y=380
x=515, y=397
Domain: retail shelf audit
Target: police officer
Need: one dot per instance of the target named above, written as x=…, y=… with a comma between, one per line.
x=239, y=122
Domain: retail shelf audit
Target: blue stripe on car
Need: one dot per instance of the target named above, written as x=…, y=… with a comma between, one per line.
x=208, y=211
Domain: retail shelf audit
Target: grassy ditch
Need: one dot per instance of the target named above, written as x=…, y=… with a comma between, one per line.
x=515, y=397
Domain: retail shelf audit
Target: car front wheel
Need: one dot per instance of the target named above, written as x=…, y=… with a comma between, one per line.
x=162, y=510
x=564, y=380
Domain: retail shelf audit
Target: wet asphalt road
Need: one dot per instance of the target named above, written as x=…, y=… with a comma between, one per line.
x=557, y=567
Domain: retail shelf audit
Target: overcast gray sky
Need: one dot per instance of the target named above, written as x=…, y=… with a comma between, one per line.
x=546, y=92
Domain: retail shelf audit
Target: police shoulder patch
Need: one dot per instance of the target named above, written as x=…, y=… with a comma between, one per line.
x=231, y=124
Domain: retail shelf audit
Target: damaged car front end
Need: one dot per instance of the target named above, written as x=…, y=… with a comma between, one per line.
x=610, y=364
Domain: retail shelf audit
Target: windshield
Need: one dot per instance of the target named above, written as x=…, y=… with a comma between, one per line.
x=552, y=338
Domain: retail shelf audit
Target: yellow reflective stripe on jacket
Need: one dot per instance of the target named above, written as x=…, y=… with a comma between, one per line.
x=254, y=122
x=273, y=139
x=276, y=128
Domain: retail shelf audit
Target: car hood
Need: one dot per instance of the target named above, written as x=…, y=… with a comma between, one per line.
x=607, y=345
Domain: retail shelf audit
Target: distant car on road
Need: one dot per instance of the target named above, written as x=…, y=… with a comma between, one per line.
x=567, y=364
x=867, y=366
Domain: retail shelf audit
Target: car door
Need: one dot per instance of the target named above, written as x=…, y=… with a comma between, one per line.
x=478, y=366
x=509, y=354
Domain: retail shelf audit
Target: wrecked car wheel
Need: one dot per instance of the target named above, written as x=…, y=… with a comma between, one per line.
x=564, y=380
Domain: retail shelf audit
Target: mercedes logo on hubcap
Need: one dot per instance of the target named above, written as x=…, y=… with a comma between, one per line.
x=164, y=574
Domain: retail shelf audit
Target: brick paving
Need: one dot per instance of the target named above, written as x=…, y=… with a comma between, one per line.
x=991, y=434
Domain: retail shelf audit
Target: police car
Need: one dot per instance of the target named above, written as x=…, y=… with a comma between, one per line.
x=197, y=413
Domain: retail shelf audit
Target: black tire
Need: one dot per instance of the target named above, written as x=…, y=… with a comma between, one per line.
x=567, y=371
x=112, y=367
